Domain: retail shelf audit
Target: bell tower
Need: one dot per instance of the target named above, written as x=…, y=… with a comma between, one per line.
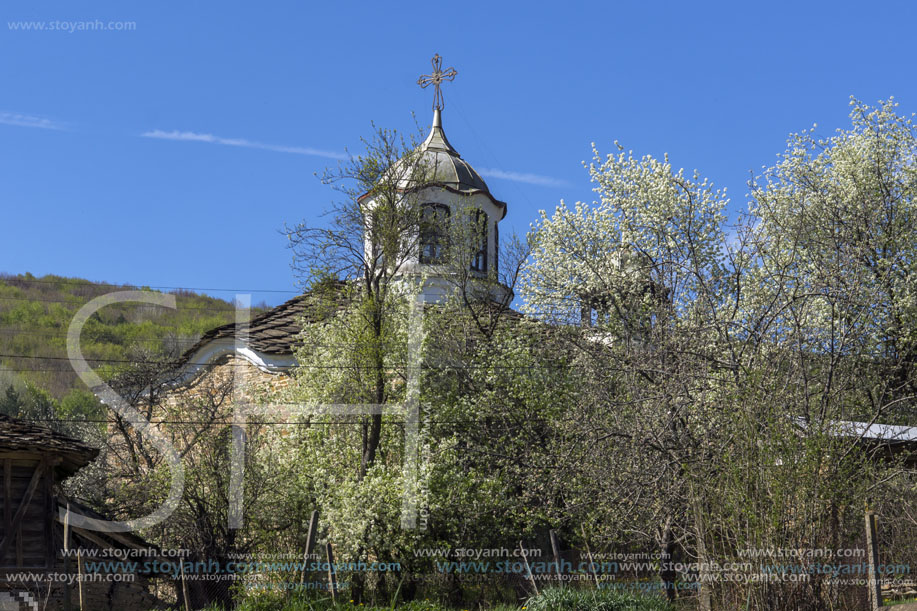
x=454, y=201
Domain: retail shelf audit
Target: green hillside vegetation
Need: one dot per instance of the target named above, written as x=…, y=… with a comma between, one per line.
x=35, y=314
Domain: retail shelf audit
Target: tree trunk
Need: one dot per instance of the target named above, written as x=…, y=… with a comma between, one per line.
x=667, y=548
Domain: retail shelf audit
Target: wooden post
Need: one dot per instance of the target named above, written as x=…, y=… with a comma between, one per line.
x=704, y=600
x=184, y=585
x=555, y=547
x=50, y=514
x=68, y=604
x=79, y=575
x=310, y=543
x=589, y=556
x=528, y=569
x=873, y=587
x=7, y=495
x=332, y=578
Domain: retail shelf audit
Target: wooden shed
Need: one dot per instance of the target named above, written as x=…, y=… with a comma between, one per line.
x=34, y=572
x=35, y=459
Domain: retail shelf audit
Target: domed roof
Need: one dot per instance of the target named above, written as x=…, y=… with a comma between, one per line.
x=437, y=163
x=446, y=165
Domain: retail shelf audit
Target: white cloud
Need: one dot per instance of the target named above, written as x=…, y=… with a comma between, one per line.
x=19, y=120
x=532, y=179
x=198, y=137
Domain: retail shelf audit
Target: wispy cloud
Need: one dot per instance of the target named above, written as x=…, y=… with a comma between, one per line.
x=210, y=138
x=532, y=179
x=20, y=120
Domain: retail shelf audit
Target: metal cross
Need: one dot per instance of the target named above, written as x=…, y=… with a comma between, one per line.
x=436, y=79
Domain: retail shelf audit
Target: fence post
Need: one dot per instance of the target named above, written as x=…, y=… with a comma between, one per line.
x=79, y=575
x=332, y=578
x=555, y=547
x=873, y=587
x=528, y=569
x=704, y=599
x=310, y=543
x=68, y=604
x=184, y=585
x=589, y=556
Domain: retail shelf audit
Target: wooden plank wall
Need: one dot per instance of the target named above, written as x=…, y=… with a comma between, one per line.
x=32, y=543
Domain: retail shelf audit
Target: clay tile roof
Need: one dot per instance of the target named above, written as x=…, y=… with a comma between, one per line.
x=21, y=436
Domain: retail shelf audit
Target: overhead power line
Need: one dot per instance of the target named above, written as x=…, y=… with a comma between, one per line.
x=81, y=282
x=79, y=301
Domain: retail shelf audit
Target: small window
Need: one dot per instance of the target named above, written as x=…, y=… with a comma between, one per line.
x=434, y=226
x=479, y=250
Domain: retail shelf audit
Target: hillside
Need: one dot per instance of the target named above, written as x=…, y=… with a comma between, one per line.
x=35, y=314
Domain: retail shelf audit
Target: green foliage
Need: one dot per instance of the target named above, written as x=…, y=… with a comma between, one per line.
x=568, y=599
x=80, y=404
x=35, y=314
x=31, y=403
x=338, y=363
x=727, y=373
x=12, y=403
x=316, y=601
x=494, y=415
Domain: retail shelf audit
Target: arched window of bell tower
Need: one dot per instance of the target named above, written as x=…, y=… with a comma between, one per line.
x=434, y=231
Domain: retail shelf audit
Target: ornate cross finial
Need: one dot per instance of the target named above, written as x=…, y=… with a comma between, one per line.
x=436, y=79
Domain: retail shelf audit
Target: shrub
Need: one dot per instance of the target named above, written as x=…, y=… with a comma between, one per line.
x=565, y=599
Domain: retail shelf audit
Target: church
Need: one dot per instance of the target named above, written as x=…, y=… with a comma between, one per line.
x=450, y=188
x=261, y=353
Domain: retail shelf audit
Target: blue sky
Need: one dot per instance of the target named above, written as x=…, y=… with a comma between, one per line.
x=250, y=99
